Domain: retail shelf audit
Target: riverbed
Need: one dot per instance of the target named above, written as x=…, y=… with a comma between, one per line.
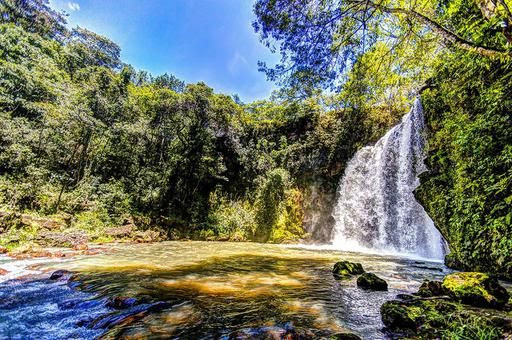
x=206, y=290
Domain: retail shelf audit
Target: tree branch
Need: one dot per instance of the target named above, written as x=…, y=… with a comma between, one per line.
x=445, y=33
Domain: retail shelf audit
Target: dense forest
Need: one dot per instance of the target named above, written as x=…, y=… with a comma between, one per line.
x=386, y=147
x=89, y=141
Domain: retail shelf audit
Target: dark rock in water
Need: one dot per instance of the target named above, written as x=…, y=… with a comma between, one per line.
x=345, y=336
x=432, y=288
x=61, y=275
x=345, y=269
x=476, y=289
x=129, y=316
x=427, y=268
x=405, y=297
x=121, y=302
x=371, y=281
x=397, y=317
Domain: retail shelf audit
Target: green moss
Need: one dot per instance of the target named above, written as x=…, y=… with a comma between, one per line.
x=477, y=289
x=371, y=281
x=437, y=319
x=345, y=269
x=289, y=223
x=467, y=191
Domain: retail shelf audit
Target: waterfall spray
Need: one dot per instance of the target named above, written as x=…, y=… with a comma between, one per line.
x=376, y=207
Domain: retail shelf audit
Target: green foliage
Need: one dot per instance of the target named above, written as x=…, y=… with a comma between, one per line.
x=468, y=190
x=35, y=16
x=234, y=219
x=269, y=196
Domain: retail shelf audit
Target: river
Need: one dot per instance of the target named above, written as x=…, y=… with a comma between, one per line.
x=205, y=290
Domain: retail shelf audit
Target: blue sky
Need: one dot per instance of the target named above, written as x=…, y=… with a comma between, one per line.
x=196, y=40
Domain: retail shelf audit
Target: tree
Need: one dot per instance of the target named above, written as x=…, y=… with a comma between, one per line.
x=86, y=48
x=169, y=81
x=35, y=16
x=320, y=40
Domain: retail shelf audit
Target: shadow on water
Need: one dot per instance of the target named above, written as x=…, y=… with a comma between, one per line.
x=240, y=295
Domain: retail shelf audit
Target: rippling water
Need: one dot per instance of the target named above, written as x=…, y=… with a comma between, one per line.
x=213, y=290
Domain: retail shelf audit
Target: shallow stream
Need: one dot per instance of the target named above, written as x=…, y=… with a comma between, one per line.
x=210, y=290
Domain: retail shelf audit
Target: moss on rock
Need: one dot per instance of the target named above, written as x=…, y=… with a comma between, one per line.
x=371, y=281
x=345, y=269
x=476, y=289
x=431, y=314
x=398, y=317
x=432, y=288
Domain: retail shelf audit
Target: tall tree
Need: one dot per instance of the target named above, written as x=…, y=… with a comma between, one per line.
x=320, y=39
x=35, y=16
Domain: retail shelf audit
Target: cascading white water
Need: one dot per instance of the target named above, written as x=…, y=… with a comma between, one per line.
x=376, y=207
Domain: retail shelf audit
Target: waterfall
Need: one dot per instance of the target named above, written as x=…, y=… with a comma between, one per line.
x=376, y=208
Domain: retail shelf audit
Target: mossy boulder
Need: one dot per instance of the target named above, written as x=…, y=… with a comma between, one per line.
x=398, y=317
x=345, y=269
x=371, y=281
x=432, y=288
x=476, y=289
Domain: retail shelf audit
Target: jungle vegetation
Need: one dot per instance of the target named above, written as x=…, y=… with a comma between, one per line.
x=83, y=134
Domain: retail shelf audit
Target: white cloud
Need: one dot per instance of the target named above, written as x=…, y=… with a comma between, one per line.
x=73, y=6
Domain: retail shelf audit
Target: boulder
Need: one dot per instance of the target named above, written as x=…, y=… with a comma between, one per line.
x=61, y=275
x=121, y=232
x=62, y=239
x=345, y=269
x=147, y=236
x=432, y=288
x=397, y=317
x=3, y=272
x=43, y=222
x=371, y=281
x=476, y=289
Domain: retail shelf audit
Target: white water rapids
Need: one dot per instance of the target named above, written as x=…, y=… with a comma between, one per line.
x=376, y=209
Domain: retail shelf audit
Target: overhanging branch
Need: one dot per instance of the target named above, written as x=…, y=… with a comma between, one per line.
x=442, y=31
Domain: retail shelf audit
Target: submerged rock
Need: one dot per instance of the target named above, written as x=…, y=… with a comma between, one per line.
x=476, y=289
x=371, y=281
x=3, y=272
x=345, y=269
x=127, y=316
x=61, y=275
x=121, y=302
